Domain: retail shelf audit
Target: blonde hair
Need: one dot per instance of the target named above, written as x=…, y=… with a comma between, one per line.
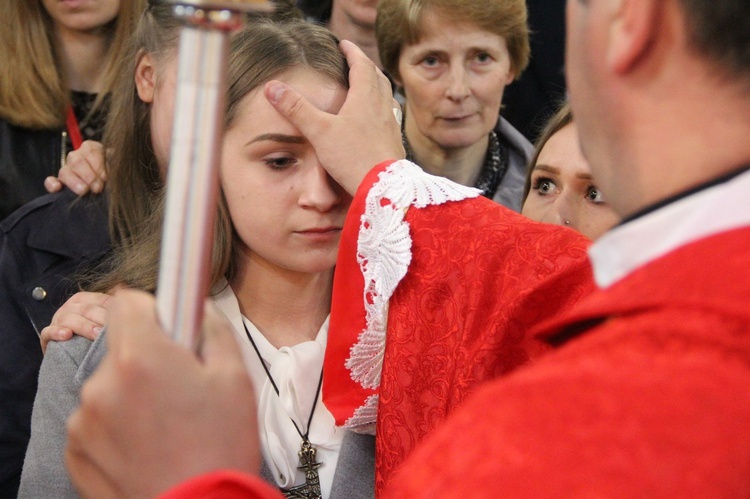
x=258, y=53
x=33, y=90
x=399, y=23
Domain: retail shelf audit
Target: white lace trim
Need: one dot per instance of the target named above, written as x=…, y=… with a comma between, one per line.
x=384, y=255
x=363, y=419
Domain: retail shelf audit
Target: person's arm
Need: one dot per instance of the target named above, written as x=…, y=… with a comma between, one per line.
x=44, y=473
x=154, y=414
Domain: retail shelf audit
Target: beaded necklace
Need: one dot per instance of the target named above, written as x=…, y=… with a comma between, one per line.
x=494, y=167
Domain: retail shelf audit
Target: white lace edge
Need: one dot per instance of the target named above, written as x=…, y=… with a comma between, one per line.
x=384, y=254
x=363, y=419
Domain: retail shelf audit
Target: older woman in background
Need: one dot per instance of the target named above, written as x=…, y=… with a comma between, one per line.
x=559, y=187
x=452, y=60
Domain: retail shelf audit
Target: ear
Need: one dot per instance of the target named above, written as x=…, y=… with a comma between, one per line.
x=145, y=77
x=633, y=30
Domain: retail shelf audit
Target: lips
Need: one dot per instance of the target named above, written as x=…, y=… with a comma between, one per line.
x=320, y=230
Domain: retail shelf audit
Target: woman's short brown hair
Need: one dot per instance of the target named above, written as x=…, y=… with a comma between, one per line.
x=399, y=24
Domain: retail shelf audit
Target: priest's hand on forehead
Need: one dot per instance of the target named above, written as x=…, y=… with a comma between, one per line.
x=363, y=133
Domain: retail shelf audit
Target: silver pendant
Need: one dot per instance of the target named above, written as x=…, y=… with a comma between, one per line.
x=311, y=488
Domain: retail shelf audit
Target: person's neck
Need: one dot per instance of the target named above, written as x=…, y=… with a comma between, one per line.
x=287, y=307
x=345, y=27
x=82, y=57
x=461, y=165
x=678, y=147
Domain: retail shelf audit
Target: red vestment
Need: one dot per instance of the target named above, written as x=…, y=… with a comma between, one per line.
x=648, y=395
x=482, y=277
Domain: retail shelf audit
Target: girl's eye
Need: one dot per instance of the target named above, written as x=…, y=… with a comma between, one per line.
x=279, y=163
x=594, y=195
x=544, y=186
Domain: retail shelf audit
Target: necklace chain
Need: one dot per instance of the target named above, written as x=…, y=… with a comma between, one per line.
x=307, y=454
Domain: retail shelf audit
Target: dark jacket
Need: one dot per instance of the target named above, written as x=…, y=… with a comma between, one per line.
x=27, y=157
x=43, y=246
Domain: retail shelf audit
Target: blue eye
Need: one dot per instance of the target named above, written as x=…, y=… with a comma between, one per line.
x=430, y=61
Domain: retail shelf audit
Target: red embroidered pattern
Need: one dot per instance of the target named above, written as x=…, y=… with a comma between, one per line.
x=481, y=277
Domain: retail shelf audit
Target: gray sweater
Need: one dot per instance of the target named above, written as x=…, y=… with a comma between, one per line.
x=68, y=364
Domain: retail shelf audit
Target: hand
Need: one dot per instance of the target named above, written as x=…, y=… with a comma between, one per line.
x=363, y=133
x=83, y=170
x=154, y=414
x=83, y=314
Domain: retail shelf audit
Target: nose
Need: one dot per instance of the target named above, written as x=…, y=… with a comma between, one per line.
x=319, y=191
x=458, y=83
x=562, y=213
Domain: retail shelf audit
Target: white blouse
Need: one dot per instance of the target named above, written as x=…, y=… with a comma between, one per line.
x=296, y=371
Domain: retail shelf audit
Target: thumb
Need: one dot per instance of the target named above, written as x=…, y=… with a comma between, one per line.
x=307, y=118
x=218, y=344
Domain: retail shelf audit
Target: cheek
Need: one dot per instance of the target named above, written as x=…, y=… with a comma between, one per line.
x=532, y=207
x=161, y=137
x=488, y=92
x=109, y=10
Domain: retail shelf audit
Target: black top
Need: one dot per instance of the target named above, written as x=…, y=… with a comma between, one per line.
x=28, y=156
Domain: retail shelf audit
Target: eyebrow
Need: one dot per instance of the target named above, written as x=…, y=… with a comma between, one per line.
x=547, y=168
x=278, y=137
x=556, y=171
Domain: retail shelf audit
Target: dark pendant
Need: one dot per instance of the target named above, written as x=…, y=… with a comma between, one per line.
x=311, y=488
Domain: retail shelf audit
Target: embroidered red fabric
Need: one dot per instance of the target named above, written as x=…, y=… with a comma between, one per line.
x=652, y=401
x=480, y=278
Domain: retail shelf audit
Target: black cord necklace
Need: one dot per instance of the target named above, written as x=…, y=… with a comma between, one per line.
x=307, y=453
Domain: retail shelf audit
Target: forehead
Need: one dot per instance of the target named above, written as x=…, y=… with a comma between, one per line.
x=438, y=31
x=321, y=91
x=563, y=151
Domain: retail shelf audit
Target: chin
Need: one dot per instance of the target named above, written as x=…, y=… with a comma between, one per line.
x=459, y=143
x=318, y=265
x=459, y=138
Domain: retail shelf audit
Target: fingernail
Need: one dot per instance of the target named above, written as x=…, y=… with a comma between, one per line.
x=60, y=334
x=80, y=189
x=275, y=91
x=97, y=330
x=96, y=186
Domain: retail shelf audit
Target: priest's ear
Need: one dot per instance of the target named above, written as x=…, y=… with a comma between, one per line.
x=634, y=30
